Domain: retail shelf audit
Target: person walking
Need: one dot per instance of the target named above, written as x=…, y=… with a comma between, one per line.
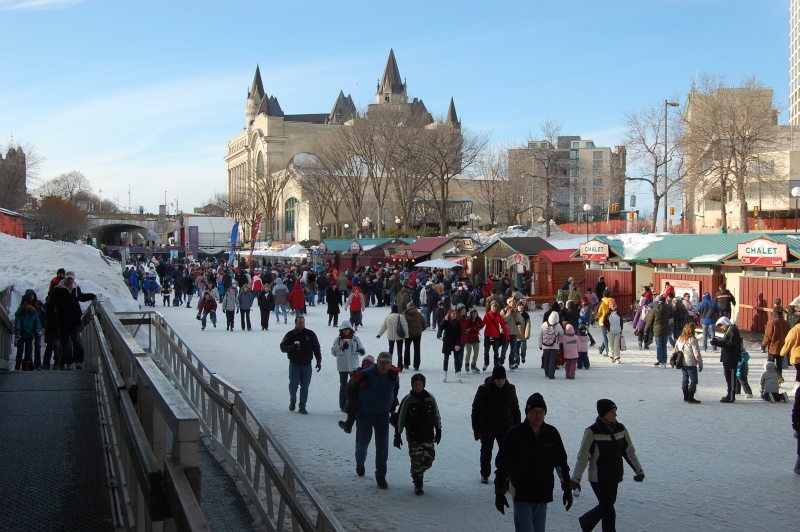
x=550, y=335
x=27, y=326
x=658, y=323
x=495, y=409
x=452, y=333
x=245, y=300
x=725, y=300
x=603, y=309
x=301, y=346
x=67, y=298
x=605, y=444
x=416, y=326
x=513, y=322
x=393, y=322
x=791, y=348
x=796, y=427
x=356, y=303
x=614, y=333
x=523, y=332
x=347, y=348
x=266, y=304
x=419, y=417
x=730, y=354
x=692, y=362
x=494, y=326
x=334, y=301
x=774, y=338
x=376, y=390
x=472, y=340
x=531, y=452
x=230, y=306
x=708, y=311
x=281, y=294
x=297, y=299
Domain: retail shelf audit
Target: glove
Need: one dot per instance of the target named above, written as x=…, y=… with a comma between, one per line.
x=700, y=368
x=567, y=500
x=639, y=477
x=319, y=366
x=398, y=441
x=360, y=351
x=378, y=336
x=345, y=344
x=714, y=341
x=477, y=434
x=437, y=437
x=501, y=503
x=457, y=348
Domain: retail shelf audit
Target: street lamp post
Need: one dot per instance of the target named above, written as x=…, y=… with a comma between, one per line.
x=586, y=210
x=322, y=234
x=346, y=227
x=397, y=220
x=667, y=105
x=796, y=194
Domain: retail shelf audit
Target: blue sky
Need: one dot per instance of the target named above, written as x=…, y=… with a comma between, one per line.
x=146, y=94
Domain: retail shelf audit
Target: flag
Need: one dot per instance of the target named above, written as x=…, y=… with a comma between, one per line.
x=234, y=237
x=253, y=236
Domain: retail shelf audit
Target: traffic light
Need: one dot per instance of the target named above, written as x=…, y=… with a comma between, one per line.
x=613, y=208
x=672, y=211
x=630, y=215
x=755, y=211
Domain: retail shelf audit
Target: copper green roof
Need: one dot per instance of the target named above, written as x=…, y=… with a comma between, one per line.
x=691, y=248
x=343, y=244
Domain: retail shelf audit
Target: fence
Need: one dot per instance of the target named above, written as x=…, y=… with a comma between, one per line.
x=282, y=496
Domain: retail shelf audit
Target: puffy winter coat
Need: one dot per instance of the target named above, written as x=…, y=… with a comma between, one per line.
x=775, y=335
x=691, y=352
x=303, y=353
x=708, y=310
x=603, y=447
x=472, y=331
x=552, y=321
x=297, y=299
x=495, y=324
x=731, y=344
x=377, y=394
x=389, y=326
x=569, y=343
x=402, y=298
x=26, y=322
x=640, y=317
x=280, y=292
x=67, y=304
x=419, y=417
x=451, y=334
x=209, y=305
x=246, y=299
x=347, y=350
x=229, y=302
x=495, y=410
x=416, y=322
x=769, y=379
x=658, y=320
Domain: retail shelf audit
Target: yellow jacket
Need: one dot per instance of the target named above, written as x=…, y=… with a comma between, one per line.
x=792, y=345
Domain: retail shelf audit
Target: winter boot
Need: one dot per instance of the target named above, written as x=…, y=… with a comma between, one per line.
x=640, y=345
x=418, y=487
x=691, y=400
x=685, y=394
x=444, y=379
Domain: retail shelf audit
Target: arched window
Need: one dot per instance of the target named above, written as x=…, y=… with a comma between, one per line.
x=290, y=206
x=260, y=166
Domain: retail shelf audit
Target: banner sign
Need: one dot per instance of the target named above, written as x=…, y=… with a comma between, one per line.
x=253, y=236
x=594, y=250
x=763, y=252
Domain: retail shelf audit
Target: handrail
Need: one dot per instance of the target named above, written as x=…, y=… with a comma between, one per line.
x=6, y=330
x=282, y=496
x=140, y=406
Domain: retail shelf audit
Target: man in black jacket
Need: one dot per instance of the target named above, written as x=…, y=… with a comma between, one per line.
x=301, y=346
x=495, y=409
x=66, y=301
x=730, y=354
x=531, y=451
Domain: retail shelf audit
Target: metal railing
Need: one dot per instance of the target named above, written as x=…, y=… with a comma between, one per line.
x=7, y=355
x=152, y=489
x=280, y=493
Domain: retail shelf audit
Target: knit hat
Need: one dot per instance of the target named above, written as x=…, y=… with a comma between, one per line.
x=535, y=401
x=418, y=377
x=604, y=406
x=724, y=321
x=384, y=356
x=499, y=372
x=368, y=358
x=70, y=274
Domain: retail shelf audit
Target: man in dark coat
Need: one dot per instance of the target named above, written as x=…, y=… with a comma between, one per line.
x=730, y=354
x=66, y=300
x=531, y=452
x=495, y=409
x=600, y=287
x=725, y=300
x=301, y=346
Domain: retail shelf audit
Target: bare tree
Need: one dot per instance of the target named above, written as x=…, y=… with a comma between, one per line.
x=318, y=182
x=494, y=176
x=71, y=186
x=727, y=129
x=266, y=184
x=19, y=169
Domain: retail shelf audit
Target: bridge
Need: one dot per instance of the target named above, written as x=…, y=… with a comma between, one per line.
x=107, y=228
x=133, y=440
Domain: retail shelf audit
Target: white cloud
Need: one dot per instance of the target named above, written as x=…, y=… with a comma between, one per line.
x=36, y=5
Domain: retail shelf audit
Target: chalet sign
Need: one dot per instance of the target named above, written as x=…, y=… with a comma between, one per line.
x=763, y=252
x=594, y=250
x=464, y=244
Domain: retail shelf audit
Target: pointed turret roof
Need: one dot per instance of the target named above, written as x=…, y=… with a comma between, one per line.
x=343, y=110
x=452, y=117
x=391, y=81
x=257, y=90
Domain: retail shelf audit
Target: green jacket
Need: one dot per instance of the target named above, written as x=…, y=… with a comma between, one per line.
x=658, y=320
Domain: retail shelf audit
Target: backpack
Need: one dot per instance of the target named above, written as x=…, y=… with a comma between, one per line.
x=549, y=335
x=677, y=360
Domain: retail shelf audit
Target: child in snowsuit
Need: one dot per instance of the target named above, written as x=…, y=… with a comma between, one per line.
x=583, y=347
x=26, y=327
x=770, y=389
x=166, y=290
x=419, y=416
x=569, y=343
x=741, y=373
x=351, y=407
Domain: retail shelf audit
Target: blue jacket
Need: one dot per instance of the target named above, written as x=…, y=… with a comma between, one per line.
x=708, y=310
x=26, y=322
x=377, y=394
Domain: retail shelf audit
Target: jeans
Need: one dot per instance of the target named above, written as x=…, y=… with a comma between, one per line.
x=244, y=318
x=708, y=332
x=604, y=345
x=365, y=423
x=298, y=312
x=529, y=516
x=604, y=511
x=661, y=348
x=71, y=346
x=550, y=359
x=299, y=375
x=426, y=314
x=25, y=344
x=583, y=360
x=522, y=349
x=689, y=380
x=280, y=307
x=320, y=296
x=206, y=313
x=512, y=356
x=458, y=357
x=310, y=298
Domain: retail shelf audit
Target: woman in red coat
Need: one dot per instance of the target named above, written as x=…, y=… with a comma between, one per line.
x=297, y=299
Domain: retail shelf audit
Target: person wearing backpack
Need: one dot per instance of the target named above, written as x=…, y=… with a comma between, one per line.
x=549, y=337
x=602, y=319
x=692, y=362
x=730, y=355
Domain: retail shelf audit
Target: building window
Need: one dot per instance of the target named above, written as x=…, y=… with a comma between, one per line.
x=576, y=144
x=260, y=166
x=597, y=154
x=290, y=207
x=597, y=182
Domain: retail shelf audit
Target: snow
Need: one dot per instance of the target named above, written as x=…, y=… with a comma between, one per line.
x=709, y=467
x=635, y=243
x=708, y=258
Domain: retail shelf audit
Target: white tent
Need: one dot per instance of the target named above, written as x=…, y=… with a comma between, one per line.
x=295, y=251
x=438, y=263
